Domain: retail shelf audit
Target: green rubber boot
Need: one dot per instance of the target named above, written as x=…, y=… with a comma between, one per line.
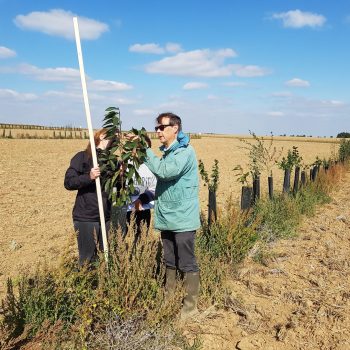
x=189, y=307
x=170, y=282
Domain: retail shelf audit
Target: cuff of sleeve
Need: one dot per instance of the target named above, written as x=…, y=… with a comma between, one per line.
x=144, y=198
x=86, y=179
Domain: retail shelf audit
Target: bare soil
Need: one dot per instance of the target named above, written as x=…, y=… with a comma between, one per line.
x=35, y=208
x=299, y=298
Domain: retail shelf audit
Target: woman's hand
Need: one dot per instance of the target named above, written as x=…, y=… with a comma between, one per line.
x=138, y=205
x=131, y=137
x=95, y=173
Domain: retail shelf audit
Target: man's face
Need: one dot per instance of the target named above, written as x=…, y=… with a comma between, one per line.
x=169, y=132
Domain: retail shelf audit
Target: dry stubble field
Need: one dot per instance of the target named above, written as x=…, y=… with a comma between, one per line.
x=35, y=208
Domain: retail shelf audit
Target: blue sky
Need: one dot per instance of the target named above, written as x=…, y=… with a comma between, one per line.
x=223, y=66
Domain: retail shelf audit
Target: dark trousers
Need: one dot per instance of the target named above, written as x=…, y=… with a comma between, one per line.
x=89, y=236
x=142, y=218
x=178, y=250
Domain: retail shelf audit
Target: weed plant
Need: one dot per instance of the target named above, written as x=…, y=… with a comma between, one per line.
x=230, y=237
x=85, y=300
x=237, y=233
x=133, y=333
x=344, y=150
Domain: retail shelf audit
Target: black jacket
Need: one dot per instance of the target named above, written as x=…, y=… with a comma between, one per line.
x=78, y=178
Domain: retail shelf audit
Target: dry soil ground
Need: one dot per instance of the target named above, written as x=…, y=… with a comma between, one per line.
x=35, y=209
x=299, y=301
x=300, y=297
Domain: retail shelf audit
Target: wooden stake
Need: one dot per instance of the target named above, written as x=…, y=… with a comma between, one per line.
x=91, y=136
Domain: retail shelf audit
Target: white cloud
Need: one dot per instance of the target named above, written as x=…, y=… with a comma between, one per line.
x=6, y=52
x=250, y=71
x=65, y=94
x=154, y=48
x=107, y=85
x=58, y=22
x=76, y=94
x=282, y=94
x=195, y=86
x=173, y=47
x=123, y=101
x=142, y=112
x=333, y=103
x=234, y=84
x=296, y=82
x=15, y=95
x=299, y=19
x=197, y=63
x=147, y=48
x=65, y=74
x=49, y=74
x=275, y=114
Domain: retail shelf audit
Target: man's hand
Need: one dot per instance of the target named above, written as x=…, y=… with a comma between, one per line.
x=95, y=173
x=138, y=205
x=123, y=168
x=131, y=137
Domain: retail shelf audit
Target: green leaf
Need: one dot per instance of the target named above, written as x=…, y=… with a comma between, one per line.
x=138, y=177
x=130, y=173
x=108, y=182
x=125, y=156
x=111, y=109
x=112, y=165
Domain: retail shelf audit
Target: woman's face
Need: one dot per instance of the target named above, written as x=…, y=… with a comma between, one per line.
x=103, y=142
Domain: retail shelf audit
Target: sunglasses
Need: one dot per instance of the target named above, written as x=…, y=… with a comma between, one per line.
x=161, y=127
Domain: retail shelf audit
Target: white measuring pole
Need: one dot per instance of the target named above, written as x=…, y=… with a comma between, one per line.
x=91, y=135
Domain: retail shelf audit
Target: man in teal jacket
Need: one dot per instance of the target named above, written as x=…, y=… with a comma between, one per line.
x=177, y=206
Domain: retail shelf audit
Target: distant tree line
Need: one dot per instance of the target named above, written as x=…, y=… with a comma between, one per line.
x=345, y=135
x=39, y=127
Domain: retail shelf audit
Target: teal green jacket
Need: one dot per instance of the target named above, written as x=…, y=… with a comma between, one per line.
x=176, y=197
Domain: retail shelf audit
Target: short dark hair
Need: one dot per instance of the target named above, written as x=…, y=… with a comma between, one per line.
x=173, y=119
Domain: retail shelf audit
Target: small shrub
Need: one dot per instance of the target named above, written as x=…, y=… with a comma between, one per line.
x=230, y=237
x=274, y=221
x=344, y=150
x=292, y=160
x=88, y=298
x=135, y=333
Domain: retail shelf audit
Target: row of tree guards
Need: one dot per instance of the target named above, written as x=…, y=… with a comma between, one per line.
x=39, y=127
x=263, y=156
x=250, y=194
x=56, y=134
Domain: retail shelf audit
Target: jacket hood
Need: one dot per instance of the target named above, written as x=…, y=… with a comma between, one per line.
x=182, y=140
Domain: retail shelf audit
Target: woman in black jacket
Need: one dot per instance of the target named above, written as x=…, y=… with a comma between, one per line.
x=81, y=176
